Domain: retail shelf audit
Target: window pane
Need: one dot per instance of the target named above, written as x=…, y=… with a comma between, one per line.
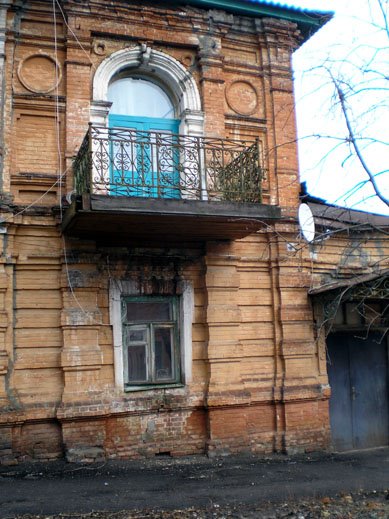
x=139, y=97
x=137, y=371
x=163, y=345
x=150, y=311
x=137, y=335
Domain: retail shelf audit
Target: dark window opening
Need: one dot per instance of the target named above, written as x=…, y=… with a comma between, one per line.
x=150, y=339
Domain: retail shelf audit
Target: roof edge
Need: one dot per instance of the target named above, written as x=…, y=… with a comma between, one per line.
x=348, y=282
x=308, y=21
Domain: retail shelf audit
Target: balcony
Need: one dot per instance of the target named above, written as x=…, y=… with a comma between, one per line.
x=152, y=186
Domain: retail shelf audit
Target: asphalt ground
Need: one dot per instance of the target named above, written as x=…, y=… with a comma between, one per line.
x=240, y=482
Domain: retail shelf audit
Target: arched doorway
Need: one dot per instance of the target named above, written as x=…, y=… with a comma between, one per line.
x=143, y=135
x=145, y=97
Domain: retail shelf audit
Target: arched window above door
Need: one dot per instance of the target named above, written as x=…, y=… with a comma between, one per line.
x=154, y=67
x=139, y=97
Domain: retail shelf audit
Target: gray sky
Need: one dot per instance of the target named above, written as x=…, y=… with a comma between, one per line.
x=348, y=40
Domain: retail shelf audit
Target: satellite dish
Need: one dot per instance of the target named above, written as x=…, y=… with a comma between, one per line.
x=307, y=223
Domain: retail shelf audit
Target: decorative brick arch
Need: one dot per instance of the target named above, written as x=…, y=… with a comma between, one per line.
x=152, y=63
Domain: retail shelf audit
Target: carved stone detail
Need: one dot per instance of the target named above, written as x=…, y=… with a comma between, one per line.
x=242, y=97
x=40, y=73
x=99, y=48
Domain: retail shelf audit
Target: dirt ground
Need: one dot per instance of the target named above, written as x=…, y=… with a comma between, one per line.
x=350, y=506
x=352, y=485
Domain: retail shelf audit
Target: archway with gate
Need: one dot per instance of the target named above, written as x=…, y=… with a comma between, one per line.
x=356, y=318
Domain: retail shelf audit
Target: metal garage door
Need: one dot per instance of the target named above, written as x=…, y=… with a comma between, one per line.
x=358, y=375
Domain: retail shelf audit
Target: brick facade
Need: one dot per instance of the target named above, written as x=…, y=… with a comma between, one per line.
x=258, y=378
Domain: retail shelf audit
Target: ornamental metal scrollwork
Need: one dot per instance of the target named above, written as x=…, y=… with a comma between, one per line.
x=127, y=162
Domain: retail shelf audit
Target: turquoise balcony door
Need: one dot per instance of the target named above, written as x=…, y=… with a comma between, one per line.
x=143, y=137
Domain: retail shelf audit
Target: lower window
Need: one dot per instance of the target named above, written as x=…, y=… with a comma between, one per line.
x=150, y=340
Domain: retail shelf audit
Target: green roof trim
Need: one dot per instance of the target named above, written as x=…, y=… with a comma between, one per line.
x=308, y=21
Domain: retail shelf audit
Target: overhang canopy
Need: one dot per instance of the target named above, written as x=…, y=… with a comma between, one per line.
x=350, y=283
x=361, y=291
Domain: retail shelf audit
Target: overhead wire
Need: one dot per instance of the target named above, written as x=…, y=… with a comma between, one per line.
x=57, y=117
x=59, y=151
x=71, y=30
x=36, y=201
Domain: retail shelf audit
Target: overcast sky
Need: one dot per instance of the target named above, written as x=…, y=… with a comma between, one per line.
x=348, y=39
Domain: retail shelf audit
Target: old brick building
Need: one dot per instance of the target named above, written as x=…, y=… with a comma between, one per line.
x=154, y=287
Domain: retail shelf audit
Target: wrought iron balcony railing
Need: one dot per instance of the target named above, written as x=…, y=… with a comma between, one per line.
x=127, y=162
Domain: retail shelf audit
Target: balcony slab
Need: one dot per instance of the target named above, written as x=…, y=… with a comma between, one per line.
x=118, y=219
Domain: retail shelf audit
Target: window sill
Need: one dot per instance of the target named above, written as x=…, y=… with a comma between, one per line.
x=152, y=387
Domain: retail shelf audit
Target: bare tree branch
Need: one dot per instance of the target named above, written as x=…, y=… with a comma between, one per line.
x=353, y=142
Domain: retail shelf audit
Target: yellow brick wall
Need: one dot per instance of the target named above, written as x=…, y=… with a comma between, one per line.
x=255, y=363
